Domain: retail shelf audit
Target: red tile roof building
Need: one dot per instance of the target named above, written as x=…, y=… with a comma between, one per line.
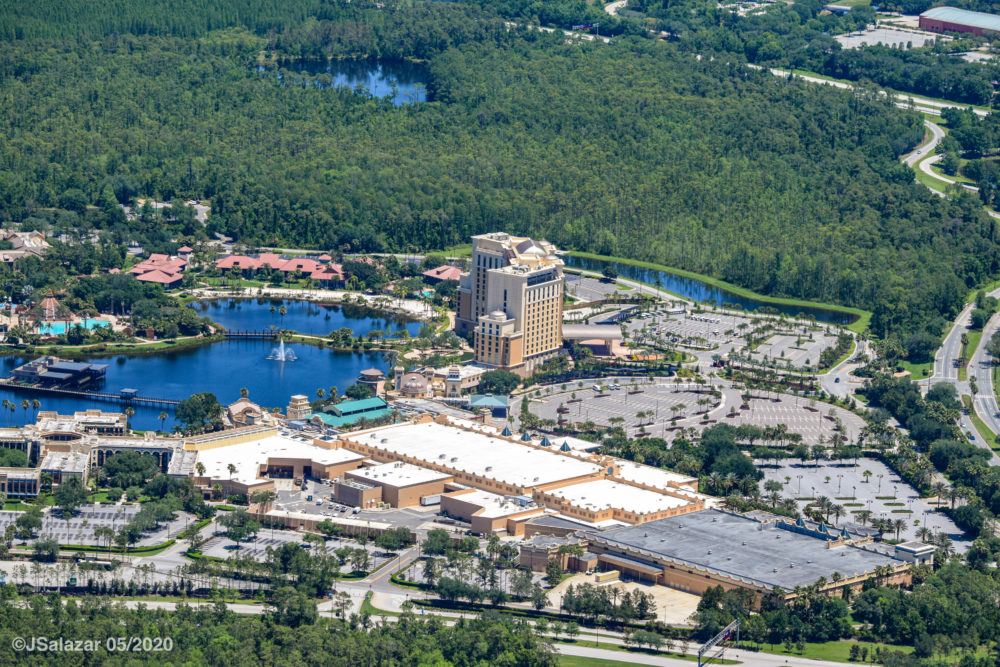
x=319, y=270
x=446, y=272
x=160, y=269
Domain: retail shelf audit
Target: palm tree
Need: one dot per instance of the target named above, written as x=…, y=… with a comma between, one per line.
x=25, y=404
x=867, y=474
x=244, y=392
x=838, y=511
x=282, y=311
x=163, y=418
x=824, y=504
x=232, y=469
x=938, y=490
x=898, y=525
x=35, y=405
x=320, y=393
x=863, y=516
x=129, y=413
x=6, y=404
x=924, y=534
x=200, y=469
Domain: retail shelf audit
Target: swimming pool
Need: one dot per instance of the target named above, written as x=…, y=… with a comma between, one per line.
x=57, y=328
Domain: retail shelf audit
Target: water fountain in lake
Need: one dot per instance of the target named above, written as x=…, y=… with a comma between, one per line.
x=281, y=353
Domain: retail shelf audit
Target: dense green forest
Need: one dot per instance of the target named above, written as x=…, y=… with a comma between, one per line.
x=634, y=148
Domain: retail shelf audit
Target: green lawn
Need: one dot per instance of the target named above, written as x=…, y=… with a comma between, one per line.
x=642, y=651
x=836, y=651
x=579, y=661
x=463, y=250
x=983, y=431
x=957, y=177
x=917, y=370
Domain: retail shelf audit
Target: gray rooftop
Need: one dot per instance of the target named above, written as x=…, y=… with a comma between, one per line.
x=759, y=553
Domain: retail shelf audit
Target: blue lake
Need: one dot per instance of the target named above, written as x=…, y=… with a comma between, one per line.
x=403, y=81
x=223, y=368
x=301, y=316
x=700, y=292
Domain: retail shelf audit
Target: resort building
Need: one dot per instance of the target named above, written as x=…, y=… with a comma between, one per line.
x=244, y=460
x=489, y=513
x=19, y=482
x=950, y=19
x=446, y=272
x=517, y=479
x=320, y=269
x=160, y=269
x=512, y=300
x=348, y=413
x=760, y=552
x=402, y=484
x=298, y=407
x=450, y=382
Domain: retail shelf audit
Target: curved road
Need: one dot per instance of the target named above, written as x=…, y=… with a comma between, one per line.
x=614, y=7
x=926, y=148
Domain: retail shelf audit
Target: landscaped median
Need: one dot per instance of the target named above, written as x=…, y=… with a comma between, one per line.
x=982, y=430
x=862, y=318
x=151, y=550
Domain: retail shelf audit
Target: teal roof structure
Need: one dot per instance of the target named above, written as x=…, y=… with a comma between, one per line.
x=487, y=401
x=336, y=421
x=964, y=17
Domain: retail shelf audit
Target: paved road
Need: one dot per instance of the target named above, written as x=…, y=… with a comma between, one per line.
x=901, y=99
x=614, y=7
x=981, y=365
x=748, y=658
x=926, y=148
x=838, y=381
x=946, y=365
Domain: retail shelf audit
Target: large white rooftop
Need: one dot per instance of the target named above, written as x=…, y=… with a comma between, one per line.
x=494, y=505
x=476, y=453
x=657, y=478
x=604, y=494
x=67, y=462
x=398, y=474
x=249, y=456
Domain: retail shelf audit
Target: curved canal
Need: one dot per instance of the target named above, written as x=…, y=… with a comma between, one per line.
x=700, y=292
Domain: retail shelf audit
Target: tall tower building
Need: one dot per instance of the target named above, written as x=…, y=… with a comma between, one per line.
x=512, y=299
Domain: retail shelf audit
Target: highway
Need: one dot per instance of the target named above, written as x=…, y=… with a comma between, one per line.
x=981, y=366
x=946, y=366
x=902, y=100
